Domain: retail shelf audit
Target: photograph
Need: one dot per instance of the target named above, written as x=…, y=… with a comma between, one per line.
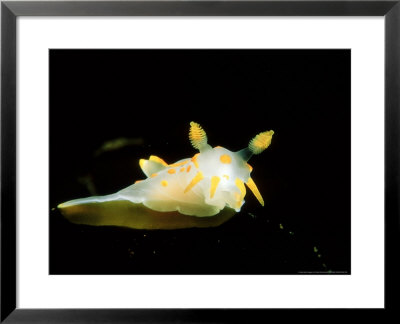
x=199, y=161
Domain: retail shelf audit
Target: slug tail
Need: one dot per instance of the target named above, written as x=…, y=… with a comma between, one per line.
x=88, y=200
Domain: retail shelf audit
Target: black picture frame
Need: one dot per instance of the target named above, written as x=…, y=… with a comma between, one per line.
x=10, y=10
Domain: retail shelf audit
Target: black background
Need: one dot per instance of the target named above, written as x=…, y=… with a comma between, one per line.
x=151, y=96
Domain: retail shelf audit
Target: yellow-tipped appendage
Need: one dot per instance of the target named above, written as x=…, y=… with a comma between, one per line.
x=158, y=160
x=197, y=135
x=252, y=186
x=158, y=202
x=260, y=142
x=142, y=163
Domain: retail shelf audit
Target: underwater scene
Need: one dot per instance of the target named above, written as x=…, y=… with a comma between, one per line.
x=200, y=161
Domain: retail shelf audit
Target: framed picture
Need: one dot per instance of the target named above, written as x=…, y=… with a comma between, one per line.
x=241, y=154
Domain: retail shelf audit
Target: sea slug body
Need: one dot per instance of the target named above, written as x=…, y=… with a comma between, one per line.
x=201, y=191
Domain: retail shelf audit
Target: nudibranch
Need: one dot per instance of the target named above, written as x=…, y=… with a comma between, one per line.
x=203, y=191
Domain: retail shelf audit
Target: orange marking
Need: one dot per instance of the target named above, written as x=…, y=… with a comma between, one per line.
x=194, y=160
x=154, y=175
x=164, y=183
x=179, y=163
x=157, y=159
x=218, y=146
x=198, y=177
x=188, y=168
x=171, y=171
x=249, y=166
x=239, y=183
x=182, y=169
x=239, y=198
x=225, y=158
x=137, y=181
x=214, y=184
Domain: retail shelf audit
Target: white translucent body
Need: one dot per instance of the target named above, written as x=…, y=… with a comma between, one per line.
x=166, y=190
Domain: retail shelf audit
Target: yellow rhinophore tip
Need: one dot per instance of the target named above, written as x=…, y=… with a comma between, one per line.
x=261, y=142
x=197, y=135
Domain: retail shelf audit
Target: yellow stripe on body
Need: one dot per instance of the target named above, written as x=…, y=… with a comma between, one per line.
x=178, y=164
x=214, y=184
x=194, y=160
x=198, y=177
x=239, y=183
